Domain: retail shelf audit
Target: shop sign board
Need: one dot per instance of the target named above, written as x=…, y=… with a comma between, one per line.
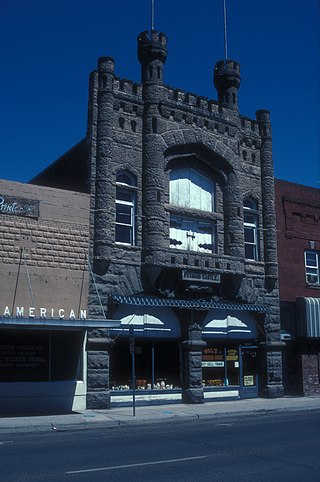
x=17, y=206
x=202, y=276
x=42, y=313
x=248, y=380
x=209, y=364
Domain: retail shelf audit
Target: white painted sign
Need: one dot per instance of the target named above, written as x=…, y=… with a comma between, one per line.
x=43, y=313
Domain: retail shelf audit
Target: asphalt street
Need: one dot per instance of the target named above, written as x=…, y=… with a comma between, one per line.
x=270, y=447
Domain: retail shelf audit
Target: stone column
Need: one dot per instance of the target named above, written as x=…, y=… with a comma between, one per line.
x=98, y=364
x=271, y=354
x=233, y=231
x=192, y=387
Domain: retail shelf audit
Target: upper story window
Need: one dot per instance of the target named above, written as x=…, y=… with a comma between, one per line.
x=190, y=189
x=312, y=267
x=125, y=229
x=250, y=217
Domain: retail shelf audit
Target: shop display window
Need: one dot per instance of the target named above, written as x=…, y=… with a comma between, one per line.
x=220, y=366
x=157, y=365
x=41, y=356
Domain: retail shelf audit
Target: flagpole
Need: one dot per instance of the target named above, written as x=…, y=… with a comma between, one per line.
x=152, y=15
x=225, y=31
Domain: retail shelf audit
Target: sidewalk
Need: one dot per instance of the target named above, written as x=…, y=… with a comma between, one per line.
x=155, y=414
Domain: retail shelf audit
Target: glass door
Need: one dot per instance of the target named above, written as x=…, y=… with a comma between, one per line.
x=248, y=373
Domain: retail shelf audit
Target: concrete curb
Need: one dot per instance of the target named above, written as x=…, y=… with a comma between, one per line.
x=108, y=420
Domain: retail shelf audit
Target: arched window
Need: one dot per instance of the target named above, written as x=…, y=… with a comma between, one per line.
x=190, y=189
x=250, y=218
x=125, y=208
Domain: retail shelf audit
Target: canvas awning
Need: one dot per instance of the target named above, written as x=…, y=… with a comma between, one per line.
x=308, y=317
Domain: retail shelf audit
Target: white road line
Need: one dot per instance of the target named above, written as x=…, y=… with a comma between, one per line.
x=142, y=464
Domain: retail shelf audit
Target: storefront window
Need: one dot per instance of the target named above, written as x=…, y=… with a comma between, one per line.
x=156, y=365
x=220, y=366
x=41, y=357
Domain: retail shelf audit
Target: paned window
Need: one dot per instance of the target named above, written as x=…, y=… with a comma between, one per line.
x=191, y=190
x=125, y=208
x=312, y=262
x=250, y=217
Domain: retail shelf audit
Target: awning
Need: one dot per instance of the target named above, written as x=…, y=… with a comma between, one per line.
x=148, y=322
x=309, y=317
x=186, y=304
x=238, y=326
x=12, y=322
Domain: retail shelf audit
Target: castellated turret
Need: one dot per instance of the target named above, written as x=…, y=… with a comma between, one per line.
x=152, y=54
x=227, y=82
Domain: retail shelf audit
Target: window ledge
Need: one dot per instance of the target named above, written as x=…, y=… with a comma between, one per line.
x=313, y=286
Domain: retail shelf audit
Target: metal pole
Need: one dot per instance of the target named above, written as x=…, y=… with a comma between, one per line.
x=152, y=15
x=152, y=366
x=133, y=370
x=225, y=31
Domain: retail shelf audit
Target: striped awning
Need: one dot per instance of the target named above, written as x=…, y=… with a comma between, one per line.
x=186, y=304
x=309, y=317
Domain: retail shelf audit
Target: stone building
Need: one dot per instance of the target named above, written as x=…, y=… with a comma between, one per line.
x=298, y=223
x=182, y=238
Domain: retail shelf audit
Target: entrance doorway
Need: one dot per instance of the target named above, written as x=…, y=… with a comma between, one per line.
x=248, y=373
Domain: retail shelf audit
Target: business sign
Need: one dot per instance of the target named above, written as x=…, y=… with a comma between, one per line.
x=202, y=276
x=42, y=313
x=19, y=207
x=210, y=364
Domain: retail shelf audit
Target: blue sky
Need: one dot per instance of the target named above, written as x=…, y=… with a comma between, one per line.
x=49, y=48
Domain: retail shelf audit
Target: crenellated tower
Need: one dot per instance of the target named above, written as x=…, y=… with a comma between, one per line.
x=227, y=82
x=152, y=54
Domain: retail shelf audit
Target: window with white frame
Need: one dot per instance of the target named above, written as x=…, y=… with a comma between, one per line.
x=190, y=190
x=125, y=208
x=312, y=263
x=250, y=218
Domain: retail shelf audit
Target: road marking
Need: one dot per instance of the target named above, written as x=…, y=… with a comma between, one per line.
x=6, y=442
x=142, y=464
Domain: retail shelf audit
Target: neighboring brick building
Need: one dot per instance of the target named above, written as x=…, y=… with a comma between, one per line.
x=298, y=225
x=182, y=238
x=44, y=235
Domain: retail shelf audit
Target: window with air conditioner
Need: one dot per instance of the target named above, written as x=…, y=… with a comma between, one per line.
x=311, y=262
x=194, y=194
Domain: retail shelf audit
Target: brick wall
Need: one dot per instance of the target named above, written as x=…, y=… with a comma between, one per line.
x=298, y=223
x=311, y=374
x=55, y=246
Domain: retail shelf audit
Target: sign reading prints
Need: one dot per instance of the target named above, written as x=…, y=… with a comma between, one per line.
x=19, y=207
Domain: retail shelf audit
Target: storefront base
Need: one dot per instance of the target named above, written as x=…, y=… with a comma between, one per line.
x=166, y=397
x=25, y=398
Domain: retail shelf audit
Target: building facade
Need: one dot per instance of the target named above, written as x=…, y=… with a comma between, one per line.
x=183, y=240
x=298, y=224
